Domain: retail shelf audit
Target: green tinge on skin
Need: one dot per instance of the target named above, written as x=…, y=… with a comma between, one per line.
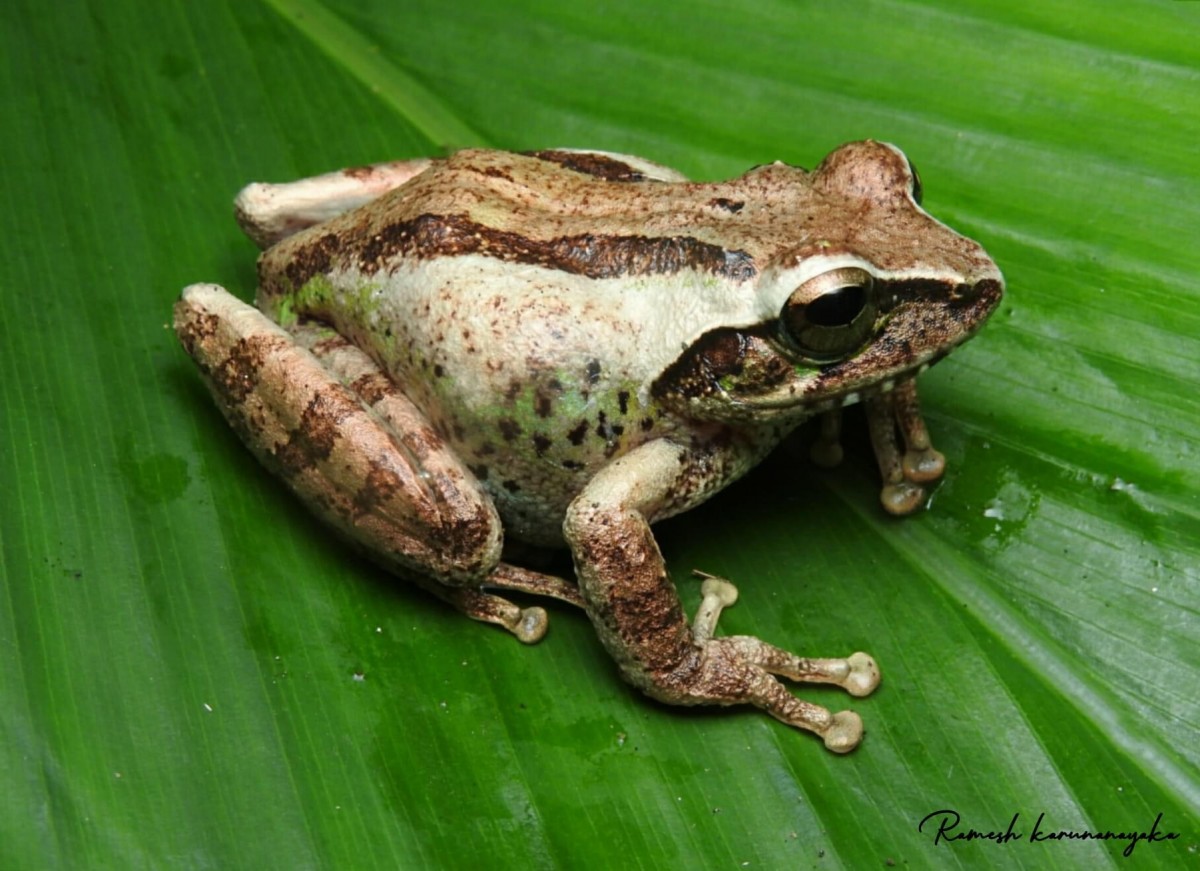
x=575, y=400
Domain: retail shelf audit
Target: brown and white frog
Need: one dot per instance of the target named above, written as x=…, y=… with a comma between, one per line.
x=564, y=347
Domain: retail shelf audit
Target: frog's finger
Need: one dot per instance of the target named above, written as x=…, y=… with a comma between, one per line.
x=921, y=464
x=899, y=495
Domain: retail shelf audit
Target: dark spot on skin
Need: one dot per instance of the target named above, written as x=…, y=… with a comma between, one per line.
x=509, y=428
x=511, y=486
x=728, y=205
x=647, y=424
x=460, y=432
x=715, y=355
x=495, y=172
x=359, y=172
x=543, y=405
x=573, y=465
x=313, y=438
x=577, y=435
x=513, y=391
x=237, y=375
x=541, y=444
x=194, y=328
x=593, y=371
x=313, y=258
x=438, y=370
x=480, y=471
x=327, y=345
x=380, y=485
x=372, y=387
x=486, y=449
x=596, y=165
x=623, y=401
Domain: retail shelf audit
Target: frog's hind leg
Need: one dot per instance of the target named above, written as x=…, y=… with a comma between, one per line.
x=270, y=212
x=320, y=414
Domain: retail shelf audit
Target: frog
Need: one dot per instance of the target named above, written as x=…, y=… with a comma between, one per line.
x=453, y=358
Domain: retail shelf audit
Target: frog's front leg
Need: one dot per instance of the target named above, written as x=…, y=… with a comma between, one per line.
x=270, y=212
x=638, y=616
x=904, y=474
x=320, y=414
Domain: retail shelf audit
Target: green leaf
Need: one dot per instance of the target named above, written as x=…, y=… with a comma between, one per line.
x=197, y=675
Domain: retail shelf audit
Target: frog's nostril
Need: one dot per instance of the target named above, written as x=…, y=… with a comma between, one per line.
x=964, y=292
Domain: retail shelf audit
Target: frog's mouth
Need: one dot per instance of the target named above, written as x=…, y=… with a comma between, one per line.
x=748, y=374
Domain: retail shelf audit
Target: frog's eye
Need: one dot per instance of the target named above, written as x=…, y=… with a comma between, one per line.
x=918, y=191
x=830, y=316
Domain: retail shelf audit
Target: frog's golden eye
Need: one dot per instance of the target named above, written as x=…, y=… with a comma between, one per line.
x=831, y=315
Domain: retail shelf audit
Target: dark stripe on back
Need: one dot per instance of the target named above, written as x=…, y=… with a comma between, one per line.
x=589, y=254
x=589, y=163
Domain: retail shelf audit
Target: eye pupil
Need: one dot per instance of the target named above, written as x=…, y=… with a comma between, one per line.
x=839, y=307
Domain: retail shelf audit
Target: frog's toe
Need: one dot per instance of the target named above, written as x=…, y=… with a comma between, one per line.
x=718, y=595
x=844, y=733
x=862, y=676
x=530, y=625
x=902, y=498
x=923, y=466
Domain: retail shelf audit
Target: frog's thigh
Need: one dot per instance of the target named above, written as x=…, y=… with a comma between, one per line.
x=378, y=473
x=270, y=212
x=638, y=616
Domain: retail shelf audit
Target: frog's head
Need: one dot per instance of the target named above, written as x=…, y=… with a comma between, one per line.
x=868, y=291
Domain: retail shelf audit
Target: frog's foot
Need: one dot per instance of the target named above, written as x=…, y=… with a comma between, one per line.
x=857, y=674
x=903, y=474
x=527, y=624
x=268, y=213
x=742, y=669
